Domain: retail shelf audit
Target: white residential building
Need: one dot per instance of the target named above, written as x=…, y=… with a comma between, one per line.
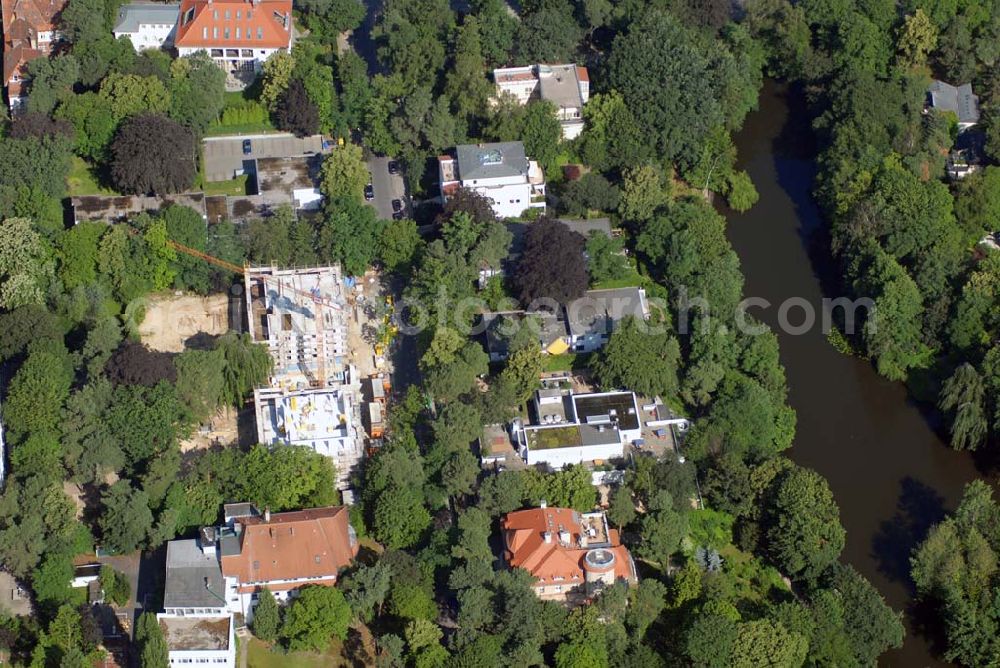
x=280, y=551
x=197, y=622
x=148, y=25
x=311, y=397
x=577, y=428
x=239, y=35
x=500, y=172
x=565, y=86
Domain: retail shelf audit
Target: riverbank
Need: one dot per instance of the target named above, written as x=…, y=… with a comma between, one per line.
x=891, y=474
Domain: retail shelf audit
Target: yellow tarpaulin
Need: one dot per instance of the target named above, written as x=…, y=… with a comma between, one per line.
x=557, y=347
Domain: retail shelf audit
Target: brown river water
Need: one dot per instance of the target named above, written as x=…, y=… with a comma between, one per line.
x=890, y=471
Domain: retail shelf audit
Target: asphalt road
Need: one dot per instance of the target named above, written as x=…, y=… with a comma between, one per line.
x=224, y=156
x=387, y=188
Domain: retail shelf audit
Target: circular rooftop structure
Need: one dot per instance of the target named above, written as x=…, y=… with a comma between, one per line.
x=599, y=560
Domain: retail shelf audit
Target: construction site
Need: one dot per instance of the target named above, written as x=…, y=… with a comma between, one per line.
x=316, y=324
x=316, y=397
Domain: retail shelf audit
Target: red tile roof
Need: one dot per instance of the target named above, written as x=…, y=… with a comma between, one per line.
x=22, y=21
x=313, y=543
x=40, y=15
x=261, y=24
x=556, y=561
x=582, y=74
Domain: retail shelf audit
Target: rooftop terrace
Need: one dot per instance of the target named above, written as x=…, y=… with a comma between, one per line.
x=195, y=633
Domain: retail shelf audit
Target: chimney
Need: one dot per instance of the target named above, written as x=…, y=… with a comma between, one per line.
x=267, y=514
x=564, y=536
x=547, y=536
x=543, y=504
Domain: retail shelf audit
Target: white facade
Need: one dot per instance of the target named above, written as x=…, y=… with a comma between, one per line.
x=233, y=60
x=150, y=36
x=565, y=86
x=558, y=458
x=245, y=603
x=147, y=26
x=577, y=428
x=500, y=172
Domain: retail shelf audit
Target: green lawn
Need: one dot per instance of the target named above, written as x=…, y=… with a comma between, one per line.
x=566, y=362
x=260, y=656
x=631, y=279
x=237, y=186
x=246, y=129
x=83, y=180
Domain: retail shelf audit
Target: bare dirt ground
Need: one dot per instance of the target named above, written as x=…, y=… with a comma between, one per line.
x=222, y=429
x=73, y=491
x=171, y=320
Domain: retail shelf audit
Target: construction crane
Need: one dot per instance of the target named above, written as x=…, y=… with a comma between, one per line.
x=315, y=297
x=237, y=269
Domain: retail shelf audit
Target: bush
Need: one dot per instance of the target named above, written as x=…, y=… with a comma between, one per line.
x=742, y=194
x=245, y=112
x=115, y=585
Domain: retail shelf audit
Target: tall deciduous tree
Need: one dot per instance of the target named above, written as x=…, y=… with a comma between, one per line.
x=548, y=33
x=152, y=153
x=673, y=90
x=197, y=91
x=317, y=615
x=804, y=534
x=642, y=360
x=25, y=264
x=963, y=395
x=129, y=94
x=466, y=84
x=552, y=265
x=295, y=112
x=126, y=520
x=344, y=173
x=917, y=38
x=276, y=75
x=644, y=191
x=248, y=365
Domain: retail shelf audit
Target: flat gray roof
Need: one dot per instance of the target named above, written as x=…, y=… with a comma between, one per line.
x=194, y=579
x=130, y=17
x=559, y=85
x=599, y=310
x=600, y=405
x=491, y=161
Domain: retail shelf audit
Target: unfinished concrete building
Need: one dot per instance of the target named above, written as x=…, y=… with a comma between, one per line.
x=301, y=315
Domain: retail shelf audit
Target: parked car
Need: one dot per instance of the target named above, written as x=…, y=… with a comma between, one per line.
x=393, y=167
x=247, y=147
x=397, y=205
x=369, y=192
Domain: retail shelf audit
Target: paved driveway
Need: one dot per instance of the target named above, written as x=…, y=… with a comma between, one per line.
x=387, y=187
x=224, y=158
